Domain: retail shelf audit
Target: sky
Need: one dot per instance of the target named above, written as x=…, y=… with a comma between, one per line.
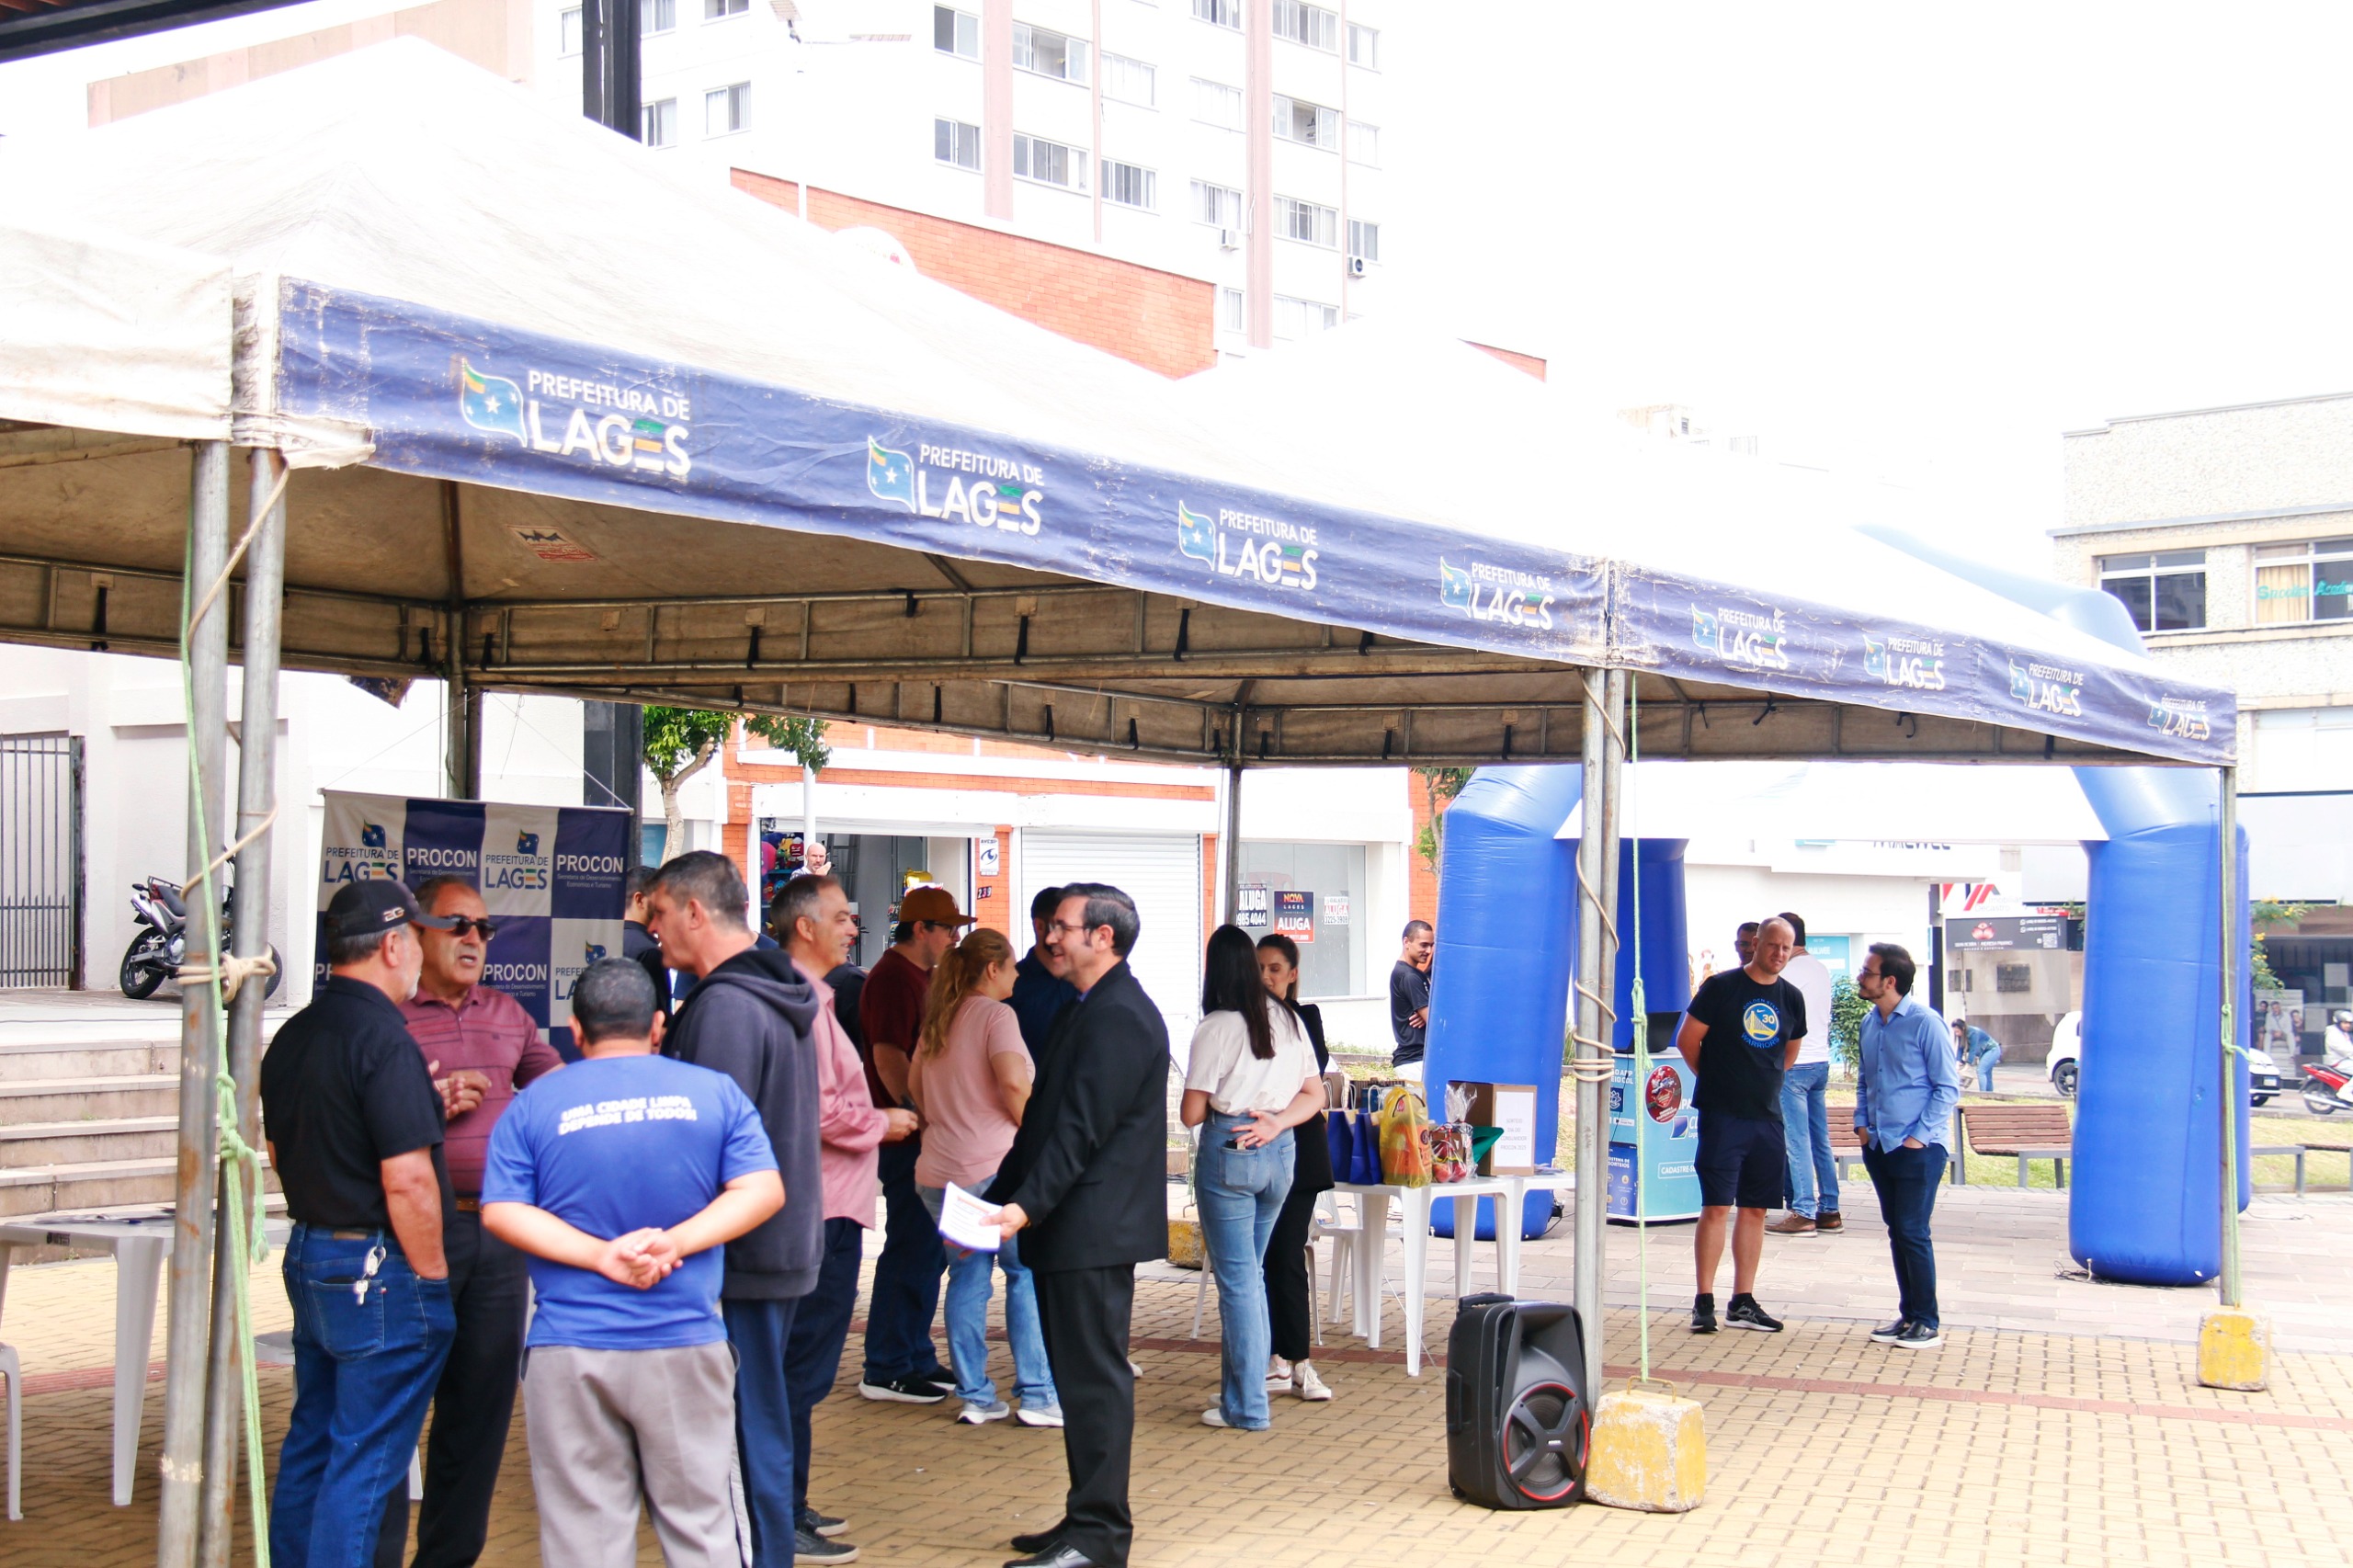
x=1916, y=240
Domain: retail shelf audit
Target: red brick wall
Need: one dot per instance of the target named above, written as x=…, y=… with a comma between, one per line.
x=992, y=896
x=1422, y=886
x=1512, y=357
x=1159, y=320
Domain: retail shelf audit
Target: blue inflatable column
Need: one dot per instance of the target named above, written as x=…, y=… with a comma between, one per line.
x=1666, y=958
x=1507, y=948
x=2146, y=1205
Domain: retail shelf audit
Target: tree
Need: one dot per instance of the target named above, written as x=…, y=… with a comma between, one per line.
x=681, y=742
x=2269, y=912
x=1846, y=1009
x=1439, y=785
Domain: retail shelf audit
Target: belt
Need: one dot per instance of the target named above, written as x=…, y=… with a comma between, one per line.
x=355, y=1236
x=468, y=1205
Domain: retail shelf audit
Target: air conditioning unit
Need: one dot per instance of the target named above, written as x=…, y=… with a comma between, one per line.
x=1356, y=266
x=1228, y=239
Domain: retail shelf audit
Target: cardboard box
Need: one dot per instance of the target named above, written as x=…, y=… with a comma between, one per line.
x=1511, y=1107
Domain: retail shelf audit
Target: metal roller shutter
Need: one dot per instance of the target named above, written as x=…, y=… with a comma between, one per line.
x=1163, y=873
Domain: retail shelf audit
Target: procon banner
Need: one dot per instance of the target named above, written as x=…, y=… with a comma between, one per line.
x=552, y=877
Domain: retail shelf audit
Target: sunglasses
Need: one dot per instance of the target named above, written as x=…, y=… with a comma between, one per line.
x=485, y=926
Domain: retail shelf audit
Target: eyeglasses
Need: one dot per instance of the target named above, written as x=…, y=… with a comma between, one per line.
x=485, y=926
x=1073, y=930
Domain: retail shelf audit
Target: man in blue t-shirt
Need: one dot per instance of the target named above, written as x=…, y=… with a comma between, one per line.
x=623, y=1177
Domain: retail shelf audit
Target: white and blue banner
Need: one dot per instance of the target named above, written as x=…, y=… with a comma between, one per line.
x=463, y=399
x=553, y=879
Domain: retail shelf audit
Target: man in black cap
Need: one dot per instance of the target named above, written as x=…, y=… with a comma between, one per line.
x=353, y=1127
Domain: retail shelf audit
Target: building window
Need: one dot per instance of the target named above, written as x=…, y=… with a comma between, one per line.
x=1364, y=46
x=956, y=143
x=1311, y=24
x=1130, y=81
x=657, y=17
x=1223, y=13
x=1309, y=125
x=1313, y=893
x=1130, y=186
x=1229, y=310
x=727, y=111
x=2165, y=592
x=1049, y=163
x=1217, y=205
x=1216, y=104
x=1049, y=53
x=955, y=32
x=568, y=32
x=720, y=10
x=662, y=123
x=2297, y=583
x=1364, y=143
x=1364, y=240
x=1306, y=221
x=1302, y=318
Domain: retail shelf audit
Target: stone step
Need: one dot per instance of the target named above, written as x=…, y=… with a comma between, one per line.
x=36, y=1100
x=23, y=1061
x=33, y=1144
x=83, y=1186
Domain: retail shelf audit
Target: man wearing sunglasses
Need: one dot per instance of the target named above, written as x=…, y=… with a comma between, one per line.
x=480, y=1046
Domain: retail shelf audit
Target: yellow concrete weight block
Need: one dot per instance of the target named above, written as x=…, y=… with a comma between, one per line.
x=1649, y=1452
x=1185, y=1243
x=2233, y=1348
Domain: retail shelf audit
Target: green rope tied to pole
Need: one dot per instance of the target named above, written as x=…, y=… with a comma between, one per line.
x=1642, y=1022
x=240, y=1161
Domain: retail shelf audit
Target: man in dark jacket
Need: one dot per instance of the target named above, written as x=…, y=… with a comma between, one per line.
x=1087, y=1177
x=749, y=1016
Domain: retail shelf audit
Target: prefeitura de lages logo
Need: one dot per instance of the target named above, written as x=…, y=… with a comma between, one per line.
x=1917, y=663
x=1256, y=548
x=1753, y=638
x=641, y=428
x=985, y=489
x=1496, y=593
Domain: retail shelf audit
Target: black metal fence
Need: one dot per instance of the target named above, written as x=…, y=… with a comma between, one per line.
x=41, y=860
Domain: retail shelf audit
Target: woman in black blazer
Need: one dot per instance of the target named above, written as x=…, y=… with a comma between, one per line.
x=1290, y=1298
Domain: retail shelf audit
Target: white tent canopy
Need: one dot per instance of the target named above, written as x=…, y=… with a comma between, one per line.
x=1427, y=549
x=1852, y=802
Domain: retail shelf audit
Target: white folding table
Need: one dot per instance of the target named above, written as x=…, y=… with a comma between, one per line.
x=141, y=1239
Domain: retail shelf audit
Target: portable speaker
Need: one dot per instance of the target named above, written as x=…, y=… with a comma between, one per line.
x=1518, y=1426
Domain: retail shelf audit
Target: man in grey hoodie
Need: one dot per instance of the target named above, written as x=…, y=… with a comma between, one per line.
x=749, y=1016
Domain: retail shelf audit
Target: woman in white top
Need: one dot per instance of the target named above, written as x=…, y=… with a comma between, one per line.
x=1251, y=1079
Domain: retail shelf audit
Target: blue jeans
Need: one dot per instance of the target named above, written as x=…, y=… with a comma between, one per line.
x=1986, y=1056
x=364, y=1371
x=759, y=1330
x=968, y=1321
x=1906, y=1180
x=1805, y=1121
x=813, y=1350
x=1241, y=1193
x=905, y=1296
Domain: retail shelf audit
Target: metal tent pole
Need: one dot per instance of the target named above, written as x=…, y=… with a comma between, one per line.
x=206, y=654
x=2230, y=1097
x=1596, y=860
x=1230, y=888
x=256, y=806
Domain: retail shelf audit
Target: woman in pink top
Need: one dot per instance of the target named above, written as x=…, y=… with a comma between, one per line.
x=969, y=1079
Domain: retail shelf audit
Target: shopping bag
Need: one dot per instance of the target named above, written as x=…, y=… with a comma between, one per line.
x=1339, y=1138
x=1404, y=1140
x=1364, y=1151
x=1450, y=1151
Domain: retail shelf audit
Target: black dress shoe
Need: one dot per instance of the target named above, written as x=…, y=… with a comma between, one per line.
x=1054, y=1556
x=1040, y=1540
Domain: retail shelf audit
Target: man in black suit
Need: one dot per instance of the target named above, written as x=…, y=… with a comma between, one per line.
x=1088, y=1179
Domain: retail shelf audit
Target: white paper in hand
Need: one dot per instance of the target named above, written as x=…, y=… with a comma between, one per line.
x=968, y=1222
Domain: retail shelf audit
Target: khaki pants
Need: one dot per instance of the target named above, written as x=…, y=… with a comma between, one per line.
x=608, y=1427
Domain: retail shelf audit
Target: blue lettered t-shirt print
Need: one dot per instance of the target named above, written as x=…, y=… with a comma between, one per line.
x=617, y=1146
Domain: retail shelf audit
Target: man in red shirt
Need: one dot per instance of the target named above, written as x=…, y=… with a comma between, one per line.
x=480, y=1046
x=902, y=1362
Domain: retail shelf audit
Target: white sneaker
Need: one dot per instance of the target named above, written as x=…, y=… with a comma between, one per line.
x=974, y=1414
x=1134, y=1371
x=1214, y=1416
x=1039, y=1416
x=1310, y=1387
x=1278, y=1376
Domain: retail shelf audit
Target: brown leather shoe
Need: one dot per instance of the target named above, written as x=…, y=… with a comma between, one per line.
x=1791, y=1225
x=1829, y=1219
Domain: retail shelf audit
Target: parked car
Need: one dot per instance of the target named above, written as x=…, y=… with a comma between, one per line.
x=2066, y=1045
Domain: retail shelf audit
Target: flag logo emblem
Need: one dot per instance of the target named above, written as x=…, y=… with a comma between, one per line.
x=491, y=402
x=527, y=843
x=1454, y=589
x=596, y=953
x=1196, y=535
x=1703, y=629
x=372, y=837
x=890, y=475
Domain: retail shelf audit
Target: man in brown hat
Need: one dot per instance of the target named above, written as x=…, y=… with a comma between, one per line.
x=901, y=1361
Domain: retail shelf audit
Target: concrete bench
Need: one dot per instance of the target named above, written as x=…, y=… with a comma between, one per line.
x=2025, y=1132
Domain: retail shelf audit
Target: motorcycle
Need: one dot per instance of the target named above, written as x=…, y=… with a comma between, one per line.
x=2324, y=1087
x=160, y=944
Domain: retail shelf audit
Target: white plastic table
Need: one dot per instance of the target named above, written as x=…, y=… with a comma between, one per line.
x=141, y=1239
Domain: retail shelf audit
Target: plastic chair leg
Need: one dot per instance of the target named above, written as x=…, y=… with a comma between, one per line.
x=1201, y=1293
x=10, y=1369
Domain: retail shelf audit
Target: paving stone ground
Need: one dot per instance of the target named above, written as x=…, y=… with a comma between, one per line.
x=2060, y=1422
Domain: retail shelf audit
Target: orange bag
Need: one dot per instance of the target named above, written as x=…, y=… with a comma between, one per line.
x=1405, y=1139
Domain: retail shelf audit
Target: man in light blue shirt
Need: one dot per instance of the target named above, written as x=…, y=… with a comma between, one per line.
x=1906, y=1091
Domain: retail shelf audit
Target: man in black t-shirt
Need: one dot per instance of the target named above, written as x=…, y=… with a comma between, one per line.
x=354, y=1127
x=1409, y=998
x=1740, y=1035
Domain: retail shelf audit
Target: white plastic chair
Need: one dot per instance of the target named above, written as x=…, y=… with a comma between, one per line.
x=14, y=1372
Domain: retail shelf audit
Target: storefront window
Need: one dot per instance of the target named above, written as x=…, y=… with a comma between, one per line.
x=1313, y=893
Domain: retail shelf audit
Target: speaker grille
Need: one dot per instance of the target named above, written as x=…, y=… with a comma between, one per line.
x=1545, y=1434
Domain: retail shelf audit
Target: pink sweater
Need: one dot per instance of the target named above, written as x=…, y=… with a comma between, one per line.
x=848, y=1127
